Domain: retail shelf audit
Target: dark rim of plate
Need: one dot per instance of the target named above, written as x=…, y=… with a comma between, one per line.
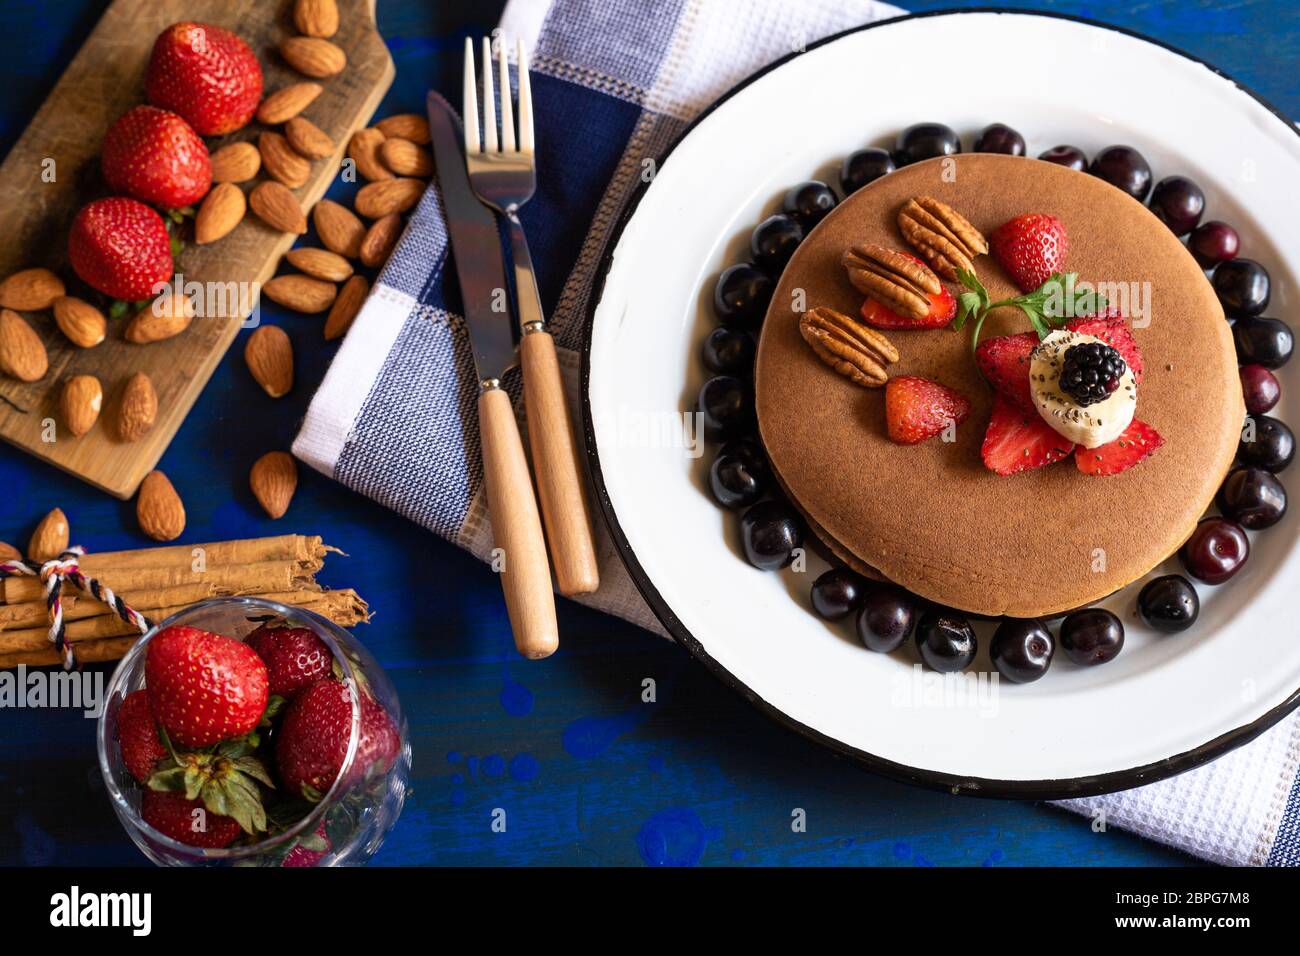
x=1058, y=789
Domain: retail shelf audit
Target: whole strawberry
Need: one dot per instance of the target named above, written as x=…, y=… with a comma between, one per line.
x=295, y=657
x=1030, y=248
x=137, y=734
x=204, y=687
x=120, y=247
x=168, y=812
x=154, y=156
x=313, y=739
x=206, y=74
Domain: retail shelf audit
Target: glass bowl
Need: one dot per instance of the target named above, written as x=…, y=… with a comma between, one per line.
x=351, y=820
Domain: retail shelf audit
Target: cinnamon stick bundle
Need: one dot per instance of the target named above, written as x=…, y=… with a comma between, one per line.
x=159, y=582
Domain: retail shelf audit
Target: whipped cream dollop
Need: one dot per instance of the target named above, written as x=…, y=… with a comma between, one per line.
x=1086, y=425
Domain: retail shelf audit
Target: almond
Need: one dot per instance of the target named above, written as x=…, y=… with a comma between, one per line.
x=273, y=480
x=300, y=293
x=281, y=162
x=270, y=358
x=411, y=126
x=137, y=408
x=338, y=227
x=405, y=158
x=380, y=239
x=236, y=163
x=320, y=264
x=83, y=324
x=163, y=318
x=50, y=539
x=376, y=200
x=316, y=18
x=159, y=509
x=31, y=290
x=9, y=553
x=222, y=210
x=79, y=403
x=350, y=299
x=22, y=353
x=314, y=57
x=308, y=139
x=276, y=206
x=363, y=149
x=286, y=103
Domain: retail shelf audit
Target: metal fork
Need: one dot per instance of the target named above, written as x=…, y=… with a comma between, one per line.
x=503, y=175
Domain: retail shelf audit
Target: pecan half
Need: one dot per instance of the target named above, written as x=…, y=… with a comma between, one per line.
x=853, y=349
x=891, y=278
x=941, y=234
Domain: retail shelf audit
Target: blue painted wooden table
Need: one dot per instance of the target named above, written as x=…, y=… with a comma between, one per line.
x=586, y=773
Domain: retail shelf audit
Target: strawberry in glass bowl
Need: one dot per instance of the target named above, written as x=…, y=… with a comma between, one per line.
x=245, y=732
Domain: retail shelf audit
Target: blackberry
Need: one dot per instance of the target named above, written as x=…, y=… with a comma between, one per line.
x=1091, y=371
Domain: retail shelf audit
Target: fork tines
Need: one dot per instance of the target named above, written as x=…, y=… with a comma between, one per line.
x=508, y=141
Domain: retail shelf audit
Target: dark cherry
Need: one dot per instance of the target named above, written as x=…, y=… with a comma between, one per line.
x=1000, y=138
x=773, y=242
x=1169, y=603
x=1263, y=341
x=1216, y=550
x=751, y=452
x=1213, y=242
x=741, y=296
x=885, y=618
x=1178, y=203
x=1260, y=388
x=1124, y=168
x=837, y=593
x=1071, y=157
x=1022, y=650
x=808, y=203
x=770, y=532
x=727, y=404
x=925, y=141
x=864, y=166
x=1092, y=636
x=735, y=479
x=946, y=640
x=1266, y=443
x=729, y=352
x=1252, y=497
x=1242, y=286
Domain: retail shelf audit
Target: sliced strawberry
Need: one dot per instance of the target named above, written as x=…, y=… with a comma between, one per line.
x=1110, y=327
x=943, y=306
x=1137, y=442
x=1030, y=248
x=1019, y=440
x=1005, y=363
x=917, y=408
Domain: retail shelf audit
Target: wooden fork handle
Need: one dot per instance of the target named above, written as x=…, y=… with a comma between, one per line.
x=555, y=461
x=516, y=528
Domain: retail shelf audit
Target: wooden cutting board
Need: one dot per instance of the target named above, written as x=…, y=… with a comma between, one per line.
x=104, y=80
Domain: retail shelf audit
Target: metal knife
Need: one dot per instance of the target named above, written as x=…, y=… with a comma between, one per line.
x=512, y=503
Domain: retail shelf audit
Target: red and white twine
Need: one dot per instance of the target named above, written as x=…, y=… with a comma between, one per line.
x=53, y=574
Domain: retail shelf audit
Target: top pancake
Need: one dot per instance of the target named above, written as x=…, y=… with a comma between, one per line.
x=930, y=516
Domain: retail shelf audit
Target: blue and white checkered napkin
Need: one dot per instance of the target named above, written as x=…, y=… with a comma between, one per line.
x=618, y=80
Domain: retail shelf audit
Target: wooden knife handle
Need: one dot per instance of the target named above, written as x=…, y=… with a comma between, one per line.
x=555, y=462
x=516, y=528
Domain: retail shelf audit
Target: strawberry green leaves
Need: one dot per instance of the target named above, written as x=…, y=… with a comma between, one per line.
x=225, y=778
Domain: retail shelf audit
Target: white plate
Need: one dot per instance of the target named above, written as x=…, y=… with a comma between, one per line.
x=1167, y=702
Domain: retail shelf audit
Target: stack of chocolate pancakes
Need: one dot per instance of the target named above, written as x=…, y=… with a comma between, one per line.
x=930, y=517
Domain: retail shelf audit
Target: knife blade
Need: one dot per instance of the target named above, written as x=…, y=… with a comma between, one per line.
x=476, y=247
